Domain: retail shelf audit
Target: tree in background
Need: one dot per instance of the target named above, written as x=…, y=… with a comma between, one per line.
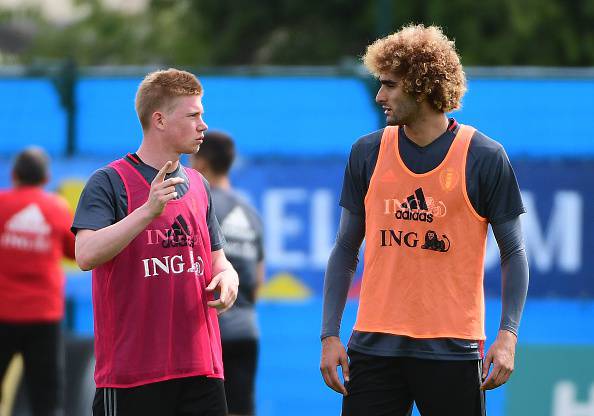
x=294, y=32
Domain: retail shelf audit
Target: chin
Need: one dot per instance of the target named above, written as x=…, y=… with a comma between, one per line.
x=192, y=150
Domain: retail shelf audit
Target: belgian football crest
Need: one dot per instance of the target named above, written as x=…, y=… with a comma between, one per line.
x=448, y=179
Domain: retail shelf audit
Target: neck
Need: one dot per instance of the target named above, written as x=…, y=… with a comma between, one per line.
x=428, y=127
x=219, y=181
x=17, y=184
x=153, y=153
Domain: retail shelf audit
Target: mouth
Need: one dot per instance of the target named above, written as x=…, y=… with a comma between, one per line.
x=387, y=110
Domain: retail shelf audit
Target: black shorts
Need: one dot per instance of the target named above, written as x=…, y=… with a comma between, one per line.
x=390, y=385
x=240, y=360
x=190, y=396
x=42, y=347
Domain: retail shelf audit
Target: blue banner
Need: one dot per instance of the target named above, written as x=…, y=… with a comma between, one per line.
x=298, y=201
x=299, y=204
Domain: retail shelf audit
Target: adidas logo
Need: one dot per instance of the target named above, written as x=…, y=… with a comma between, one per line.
x=415, y=208
x=236, y=225
x=29, y=220
x=179, y=234
x=416, y=203
x=27, y=230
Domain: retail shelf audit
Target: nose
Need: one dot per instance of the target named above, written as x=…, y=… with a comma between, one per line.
x=202, y=126
x=380, y=97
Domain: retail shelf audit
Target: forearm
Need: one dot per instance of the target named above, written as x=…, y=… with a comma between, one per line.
x=338, y=278
x=340, y=271
x=94, y=248
x=514, y=273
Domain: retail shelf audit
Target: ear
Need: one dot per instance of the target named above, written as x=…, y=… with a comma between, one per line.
x=158, y=120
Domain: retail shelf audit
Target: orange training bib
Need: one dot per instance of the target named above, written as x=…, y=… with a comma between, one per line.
x=425, y=248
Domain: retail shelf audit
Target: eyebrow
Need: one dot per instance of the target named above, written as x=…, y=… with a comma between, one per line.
x=388, y=82
x=194, y=113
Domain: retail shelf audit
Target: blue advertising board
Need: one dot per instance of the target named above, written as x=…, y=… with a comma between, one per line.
x=299, y=203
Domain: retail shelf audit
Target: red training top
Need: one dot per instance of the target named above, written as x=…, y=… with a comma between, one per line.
x=34, y=237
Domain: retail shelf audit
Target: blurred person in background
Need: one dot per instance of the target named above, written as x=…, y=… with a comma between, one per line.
x=34, y=238
x=422, y=192
x=244, y=248
x=146, y=226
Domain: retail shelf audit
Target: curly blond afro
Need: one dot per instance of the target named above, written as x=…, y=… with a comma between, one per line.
x=425, y=60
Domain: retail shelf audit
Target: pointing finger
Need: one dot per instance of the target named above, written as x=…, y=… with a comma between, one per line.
x=161, y=174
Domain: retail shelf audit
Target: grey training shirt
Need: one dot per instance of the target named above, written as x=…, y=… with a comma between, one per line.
x=244, y=248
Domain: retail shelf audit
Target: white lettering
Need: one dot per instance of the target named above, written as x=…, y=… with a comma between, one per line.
x=565, y=403
x=322, y=227
x=174, y=264
x=146, y=268
x=162, y=265
x=180, y=264
x=281, y=225
x=563, y=239
x=25, y=242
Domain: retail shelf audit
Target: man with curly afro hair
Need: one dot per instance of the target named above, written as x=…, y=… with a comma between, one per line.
x=422, y=192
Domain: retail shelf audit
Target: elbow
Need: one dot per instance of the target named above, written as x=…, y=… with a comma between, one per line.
x=84, y=262
x=83, y=254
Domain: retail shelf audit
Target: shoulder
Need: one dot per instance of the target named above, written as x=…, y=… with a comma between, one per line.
x=104, y=184
x=368, y=143
x=364, y=152
x=241, y=201
x=482, y=147
x=237, y=200
x=230, y=198
x=57, y=201
x=104, y=176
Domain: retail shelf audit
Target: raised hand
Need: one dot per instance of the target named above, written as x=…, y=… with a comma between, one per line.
x=162, y=191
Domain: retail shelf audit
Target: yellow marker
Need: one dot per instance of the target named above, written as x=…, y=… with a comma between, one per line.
x=284, y=286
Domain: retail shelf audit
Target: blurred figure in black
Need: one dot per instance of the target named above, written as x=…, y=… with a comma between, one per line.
x=242, y=229
x=34, y=237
